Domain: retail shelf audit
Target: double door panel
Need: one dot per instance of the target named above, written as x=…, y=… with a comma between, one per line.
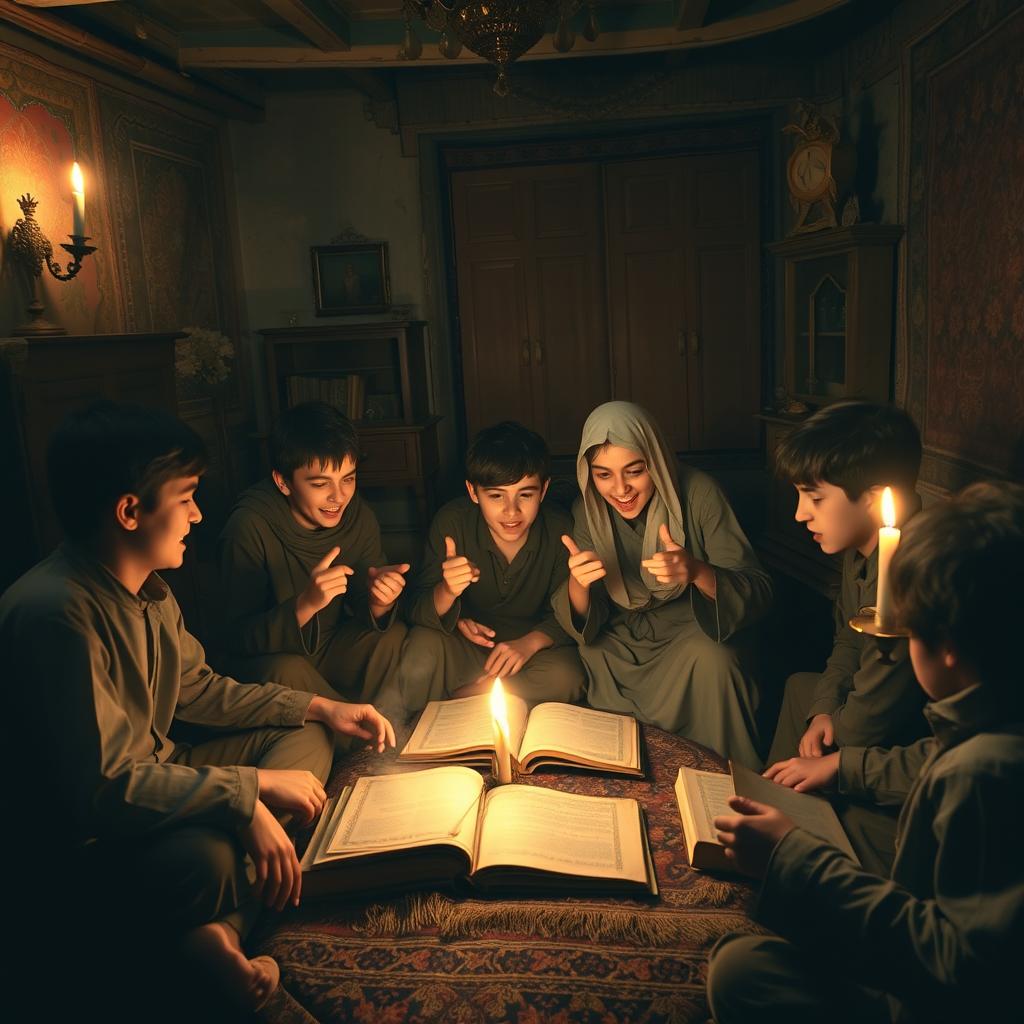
x=531, y=297
x=684, y=294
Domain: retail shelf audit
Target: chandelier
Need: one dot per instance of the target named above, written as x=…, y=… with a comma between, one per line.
x=500, y=31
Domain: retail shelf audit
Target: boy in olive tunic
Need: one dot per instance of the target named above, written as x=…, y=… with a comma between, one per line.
x=94, y=641
x=483, y=599
x=839, y=461
x=309, y=600
x=940, y=939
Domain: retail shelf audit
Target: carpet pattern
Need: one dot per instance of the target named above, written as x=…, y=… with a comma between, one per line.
x=431, y=957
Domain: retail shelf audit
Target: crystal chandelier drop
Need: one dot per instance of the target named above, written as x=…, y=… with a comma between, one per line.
x=500, y=31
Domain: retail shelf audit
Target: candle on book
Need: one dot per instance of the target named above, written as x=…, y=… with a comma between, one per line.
x=502, y=752
x=78, y=194
x=888, y=541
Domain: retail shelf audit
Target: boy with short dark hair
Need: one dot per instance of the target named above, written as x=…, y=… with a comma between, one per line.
x=483, y=599
x=940, y=939
x=840, y=459
x=310, y=601
x=99, y=664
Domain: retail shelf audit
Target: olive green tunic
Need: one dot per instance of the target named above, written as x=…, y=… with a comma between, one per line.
x=513, y=599
x=95, y=676
x=266, y=559
x=941, y=937
x=656, y=651
x=868, y=686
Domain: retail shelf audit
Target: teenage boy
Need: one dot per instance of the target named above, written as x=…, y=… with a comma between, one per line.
x=940, y=939
x=100, y=664
x=840, y=459
x=310, y=601
x=483, y=599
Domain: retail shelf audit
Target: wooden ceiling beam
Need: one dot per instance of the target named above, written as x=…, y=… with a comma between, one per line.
x=309, y=24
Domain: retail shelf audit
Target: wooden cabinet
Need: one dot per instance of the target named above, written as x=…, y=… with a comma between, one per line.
x=398, y=433
x=531, y=297
x=839, y=312
x=46, y=378
x=684, y=294
x=604, y=279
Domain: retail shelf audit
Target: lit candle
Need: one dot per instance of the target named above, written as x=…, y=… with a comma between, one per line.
x=78, y=193
x=888, y=540
x=502, y=754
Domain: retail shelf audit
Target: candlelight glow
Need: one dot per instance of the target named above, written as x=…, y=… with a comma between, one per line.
x=498, y=710
x=888, y=508
x=77, y=181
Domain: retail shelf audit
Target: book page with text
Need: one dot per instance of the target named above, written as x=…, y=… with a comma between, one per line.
x=388, y=812
x=464, y=724
x=708, y=796
x=581, y=732
x=590, y=836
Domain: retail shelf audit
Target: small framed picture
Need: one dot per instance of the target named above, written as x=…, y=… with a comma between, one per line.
x=351, y=278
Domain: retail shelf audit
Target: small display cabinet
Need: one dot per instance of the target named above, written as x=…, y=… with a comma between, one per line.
x=839, y=312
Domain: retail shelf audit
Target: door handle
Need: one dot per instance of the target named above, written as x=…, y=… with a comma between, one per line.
x=538, y=353
x=694, y=343
x=526, y=352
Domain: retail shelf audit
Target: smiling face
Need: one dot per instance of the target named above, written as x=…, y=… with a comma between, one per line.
x=621, y=477
x=836, y=522
x=158, y=536
x=511, y=509
x=319, y=492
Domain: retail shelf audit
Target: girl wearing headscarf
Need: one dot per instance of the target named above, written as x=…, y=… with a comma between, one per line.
x=661, y=575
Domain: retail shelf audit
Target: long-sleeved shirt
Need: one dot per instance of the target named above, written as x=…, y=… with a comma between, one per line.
x=943, y=935
x=513, y=598
x=868, y=686
x=95, y=676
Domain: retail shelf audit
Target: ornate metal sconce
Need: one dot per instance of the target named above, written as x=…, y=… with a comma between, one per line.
x=31, y=248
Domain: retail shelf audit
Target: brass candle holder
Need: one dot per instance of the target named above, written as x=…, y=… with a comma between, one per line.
x=864, y=622
x=32, y=249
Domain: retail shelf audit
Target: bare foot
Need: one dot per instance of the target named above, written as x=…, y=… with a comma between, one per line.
x=217, y=950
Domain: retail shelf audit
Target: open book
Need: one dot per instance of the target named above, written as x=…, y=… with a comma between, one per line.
x=435, y=826
x=703, y=796
x=462, y=730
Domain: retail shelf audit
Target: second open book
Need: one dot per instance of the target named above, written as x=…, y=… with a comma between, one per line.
x=439, y=825
x=461, y=730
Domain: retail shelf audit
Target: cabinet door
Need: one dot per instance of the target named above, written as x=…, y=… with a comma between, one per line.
x=647, y=276
x=723, y=323
x=492, y=256
x=569, y=336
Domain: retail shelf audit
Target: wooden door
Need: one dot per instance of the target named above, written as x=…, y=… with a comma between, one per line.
x=529, y=262
x=647, y=272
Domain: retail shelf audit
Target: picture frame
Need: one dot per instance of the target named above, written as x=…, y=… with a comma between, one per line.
x=351, y=278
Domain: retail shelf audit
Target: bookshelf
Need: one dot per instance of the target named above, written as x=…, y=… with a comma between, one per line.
x=380, y=371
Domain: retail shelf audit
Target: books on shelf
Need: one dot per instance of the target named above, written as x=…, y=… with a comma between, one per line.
x=703, y=796
x=437, y=826
x=346, y=393
x=562, y=734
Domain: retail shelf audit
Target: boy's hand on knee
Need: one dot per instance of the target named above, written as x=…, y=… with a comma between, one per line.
x=476, y=632
x=278, y=875
x=385, y=584
x=326, y=582
x=363, y=721
x=457, y=571
x=819, y=735
x=750, y=835
x=585, y=567
x=805, y=773
x=298, y=792
x=510, y=656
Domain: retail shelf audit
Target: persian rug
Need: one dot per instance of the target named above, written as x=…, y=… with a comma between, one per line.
x=431, y=957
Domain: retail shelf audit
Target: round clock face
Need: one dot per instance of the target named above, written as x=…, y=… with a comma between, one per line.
x=808, y=172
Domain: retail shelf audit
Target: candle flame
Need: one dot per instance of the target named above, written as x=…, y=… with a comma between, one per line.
x=77, y=181
x=888, y=508
x=498, y=710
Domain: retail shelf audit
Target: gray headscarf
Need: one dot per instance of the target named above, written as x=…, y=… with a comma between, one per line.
x=630, y=426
